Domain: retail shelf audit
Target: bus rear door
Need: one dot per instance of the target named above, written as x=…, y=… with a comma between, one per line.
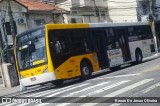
x=123, y=41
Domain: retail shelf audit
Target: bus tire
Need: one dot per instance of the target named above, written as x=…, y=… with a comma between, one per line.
x=86, y=70
x=139, y=57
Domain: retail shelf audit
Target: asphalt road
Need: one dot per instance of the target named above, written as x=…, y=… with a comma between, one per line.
x=141, y=80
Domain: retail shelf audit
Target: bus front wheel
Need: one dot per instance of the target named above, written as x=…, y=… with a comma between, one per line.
x=85, y=70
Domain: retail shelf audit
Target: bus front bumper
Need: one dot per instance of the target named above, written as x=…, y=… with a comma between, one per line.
x=38, y=79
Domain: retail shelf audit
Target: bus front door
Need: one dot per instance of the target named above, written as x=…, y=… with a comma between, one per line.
x=123, y=41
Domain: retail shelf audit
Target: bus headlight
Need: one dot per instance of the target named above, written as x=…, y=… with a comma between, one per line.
x=45, y=70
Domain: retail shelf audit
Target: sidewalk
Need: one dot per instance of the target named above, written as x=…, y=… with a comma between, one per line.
x=6, y=91
x=15, y=90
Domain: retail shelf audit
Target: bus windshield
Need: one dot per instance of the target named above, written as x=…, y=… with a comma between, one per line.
x=31, y=50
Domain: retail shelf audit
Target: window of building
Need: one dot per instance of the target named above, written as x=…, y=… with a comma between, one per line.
x=74, y=12
x=39, y=22
x=73, y=20
x=144, y=9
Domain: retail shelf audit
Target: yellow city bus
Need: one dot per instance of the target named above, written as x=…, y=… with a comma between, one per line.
x=57, y=52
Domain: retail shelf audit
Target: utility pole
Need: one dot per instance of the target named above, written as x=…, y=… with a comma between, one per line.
x=13, y=32
x=62, y=18
x=54, y=5
x=96, y=11
x=11, y=20
x=152, y=19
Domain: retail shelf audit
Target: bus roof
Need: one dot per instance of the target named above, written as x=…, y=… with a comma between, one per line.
x=30, y=30
x=92, y=25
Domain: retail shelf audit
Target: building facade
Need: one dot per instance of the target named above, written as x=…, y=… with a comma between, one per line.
x=27, y=14
x=106, y=10
x=84, y=11
x=128, y=11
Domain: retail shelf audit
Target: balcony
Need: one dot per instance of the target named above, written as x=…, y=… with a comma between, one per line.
x=88, y=3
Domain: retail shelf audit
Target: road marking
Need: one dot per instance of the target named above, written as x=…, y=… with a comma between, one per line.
x=151, y=69
x=43, y=104
x=128, y=88
x=56, y=94
x=68, y=90
x=127, y=75
x=59, y=89
x=151, y=88
x=71, y=94
x=76, y=92
x=16, y=104
x=118, y=76
x=62, y=90
x=118, y=92
x=95, y=92
x=4, y=104
x=115, y=104
x=9, y=104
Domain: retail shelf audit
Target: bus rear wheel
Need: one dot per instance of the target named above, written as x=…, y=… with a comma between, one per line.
x=139, y=57
x=86, y=70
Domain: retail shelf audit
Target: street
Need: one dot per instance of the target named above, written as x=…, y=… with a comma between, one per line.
x=130, y=81
x=110, y=49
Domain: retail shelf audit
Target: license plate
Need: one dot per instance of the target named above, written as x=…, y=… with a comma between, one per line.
x=33, y=79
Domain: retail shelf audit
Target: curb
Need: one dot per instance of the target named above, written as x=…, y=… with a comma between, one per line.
x=152, y=57
x=18, y=92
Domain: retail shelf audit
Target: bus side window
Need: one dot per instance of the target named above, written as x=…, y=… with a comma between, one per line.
x=132, y=35
x=111, y=39
x=59, y=42
x=58, y=47
x=79, y=41
x=61, y=45
x=144, y=32
x=149, y=32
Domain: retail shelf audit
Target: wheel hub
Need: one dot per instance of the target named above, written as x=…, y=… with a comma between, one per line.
x=86, y=70
x=139, y=57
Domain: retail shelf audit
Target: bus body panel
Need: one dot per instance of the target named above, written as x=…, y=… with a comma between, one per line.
x=38, y=79
x=34, y=71
x=105, y=25
x=144, y=47
x=71, y=67
x=17, y=69
x=66, y=26
x=50, y=64
x=115, y=57
x=54, y=27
